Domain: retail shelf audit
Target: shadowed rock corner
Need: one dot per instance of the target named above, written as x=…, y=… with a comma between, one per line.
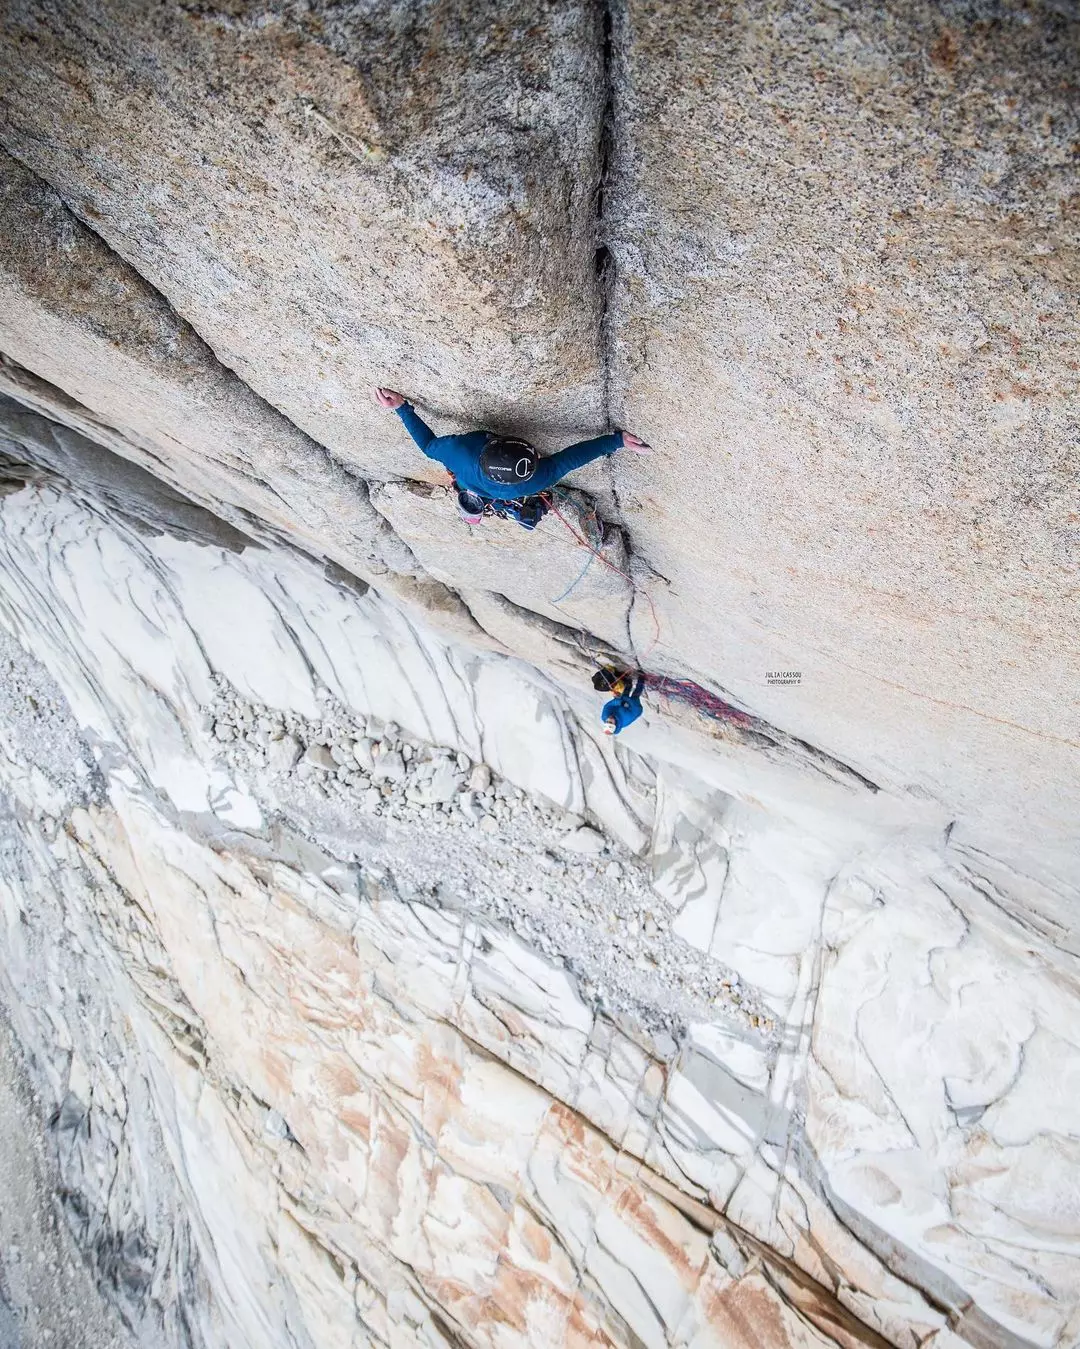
x=47, y=1295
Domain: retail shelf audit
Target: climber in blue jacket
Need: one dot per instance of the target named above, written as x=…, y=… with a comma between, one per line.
x=623, y=711
x=490, y=470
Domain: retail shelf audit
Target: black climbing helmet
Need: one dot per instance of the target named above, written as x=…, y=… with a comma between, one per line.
x=508, y=461
x=607, y=680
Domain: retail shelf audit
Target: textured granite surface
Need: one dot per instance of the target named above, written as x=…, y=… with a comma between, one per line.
x=340, y=195
x=845, y=307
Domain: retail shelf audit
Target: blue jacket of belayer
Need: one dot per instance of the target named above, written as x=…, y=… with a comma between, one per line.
x=624, y=710
x=461, y=455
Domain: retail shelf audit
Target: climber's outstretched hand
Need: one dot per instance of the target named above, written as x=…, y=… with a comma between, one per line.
x=635, y=443
x=387, y=398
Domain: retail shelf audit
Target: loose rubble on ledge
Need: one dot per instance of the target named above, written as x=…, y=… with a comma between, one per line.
x=453, y=834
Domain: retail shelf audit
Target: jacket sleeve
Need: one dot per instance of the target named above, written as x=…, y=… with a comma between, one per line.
x=556, y=466
x=416, y=426
x=636, y=695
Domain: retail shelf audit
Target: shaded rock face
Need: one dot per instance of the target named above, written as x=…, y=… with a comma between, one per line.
x=371, y=994
x=34, y=449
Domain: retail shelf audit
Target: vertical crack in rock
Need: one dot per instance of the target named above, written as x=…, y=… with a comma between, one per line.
x=613, y=29
x=604, y=270
x=603, y=262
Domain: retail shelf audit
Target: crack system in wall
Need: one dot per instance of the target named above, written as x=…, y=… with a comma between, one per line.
x=613, y=27
x=603, y=260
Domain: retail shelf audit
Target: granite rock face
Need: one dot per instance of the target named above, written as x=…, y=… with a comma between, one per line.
x=370, y=994
x=88, y=342
x=336, y=196
x=823, y=260
x=844, y=305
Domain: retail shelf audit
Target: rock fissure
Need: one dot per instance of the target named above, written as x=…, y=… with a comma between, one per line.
x=603, y=260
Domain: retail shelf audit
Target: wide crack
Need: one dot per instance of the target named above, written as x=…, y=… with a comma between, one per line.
x=603, y=259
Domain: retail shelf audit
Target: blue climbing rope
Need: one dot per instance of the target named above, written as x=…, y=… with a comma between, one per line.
x=593, y=553
x=576, y=580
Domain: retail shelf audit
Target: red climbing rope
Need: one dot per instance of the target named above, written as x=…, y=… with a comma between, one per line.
x=685, y=690
x=548, y=499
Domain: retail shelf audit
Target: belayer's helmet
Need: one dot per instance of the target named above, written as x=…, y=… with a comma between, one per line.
x=508, y=461
x=607, y=680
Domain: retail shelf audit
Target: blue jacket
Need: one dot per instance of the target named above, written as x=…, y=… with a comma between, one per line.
x=461, y=455
x=625, y=710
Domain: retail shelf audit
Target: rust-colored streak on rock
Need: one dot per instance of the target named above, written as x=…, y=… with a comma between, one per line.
x=586, y=1153
x=640, y=1209
x=747, y=1316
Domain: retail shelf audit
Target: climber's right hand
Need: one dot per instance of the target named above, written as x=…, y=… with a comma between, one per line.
x=635, y=443
x=387, y=398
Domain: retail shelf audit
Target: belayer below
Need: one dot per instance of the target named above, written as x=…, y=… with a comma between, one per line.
x=501, y=475
x=610, y=680
x=623, y=710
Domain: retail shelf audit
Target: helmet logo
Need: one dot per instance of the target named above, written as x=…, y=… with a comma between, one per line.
x=505, y=459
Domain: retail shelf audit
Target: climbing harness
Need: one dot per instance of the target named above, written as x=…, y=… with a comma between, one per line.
x=525, y=511
x=610, y=680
